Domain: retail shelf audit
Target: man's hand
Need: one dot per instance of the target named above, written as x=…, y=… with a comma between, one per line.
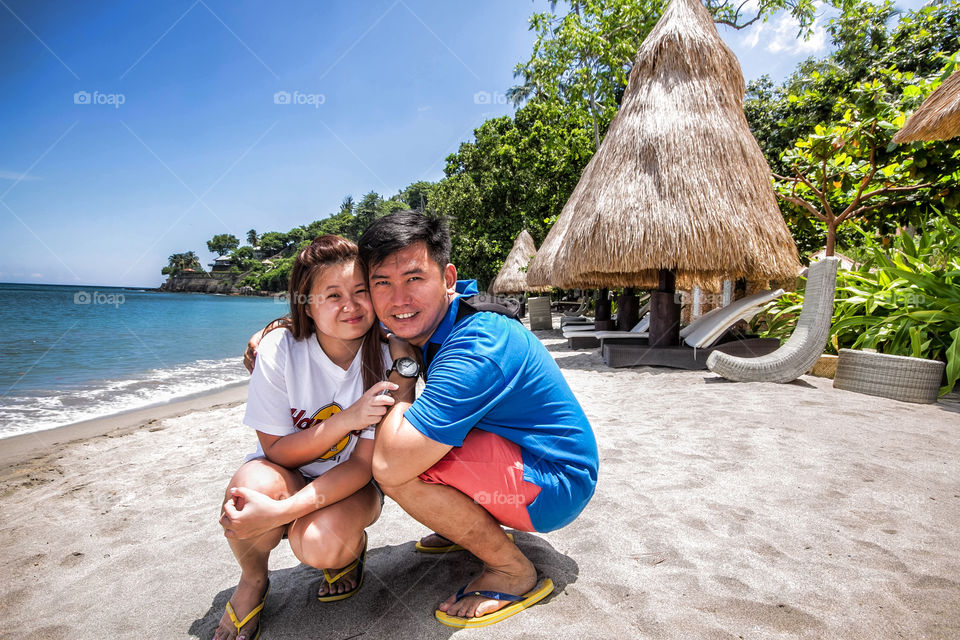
x=249, y=514
x=250, y=355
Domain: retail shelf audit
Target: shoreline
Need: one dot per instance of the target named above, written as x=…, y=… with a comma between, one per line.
x=25, y=446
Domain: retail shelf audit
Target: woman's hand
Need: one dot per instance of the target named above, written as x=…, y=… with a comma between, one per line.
x=249, y=514
x=369, y=408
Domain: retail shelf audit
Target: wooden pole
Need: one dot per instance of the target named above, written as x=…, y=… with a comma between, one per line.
x=665, y=311
x=602, y=321
x=628, y=309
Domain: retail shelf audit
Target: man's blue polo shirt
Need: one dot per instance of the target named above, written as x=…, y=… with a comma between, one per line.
x=492, y=374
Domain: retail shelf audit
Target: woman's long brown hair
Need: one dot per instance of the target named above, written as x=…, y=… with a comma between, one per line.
x=324, y=252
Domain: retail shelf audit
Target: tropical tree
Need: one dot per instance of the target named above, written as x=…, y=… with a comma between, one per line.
x=516, y=174
x=273, y=242
x=849, y=169
x=252, y=239
x=177, y=263
x=223, y=243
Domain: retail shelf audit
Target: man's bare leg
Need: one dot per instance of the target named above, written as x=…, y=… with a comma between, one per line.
x=455, y=516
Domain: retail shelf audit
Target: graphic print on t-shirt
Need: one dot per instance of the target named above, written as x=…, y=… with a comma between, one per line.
x=300, y=422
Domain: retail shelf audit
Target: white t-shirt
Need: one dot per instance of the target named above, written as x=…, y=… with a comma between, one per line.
x=295, y=385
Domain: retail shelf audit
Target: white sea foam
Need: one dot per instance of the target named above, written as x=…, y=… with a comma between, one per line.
x=40, y=410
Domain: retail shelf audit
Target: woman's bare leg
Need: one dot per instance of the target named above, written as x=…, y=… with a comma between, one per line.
x=253, y=554
x=332, y=537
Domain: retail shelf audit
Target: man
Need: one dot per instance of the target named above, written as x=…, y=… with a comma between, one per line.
x=495, y=438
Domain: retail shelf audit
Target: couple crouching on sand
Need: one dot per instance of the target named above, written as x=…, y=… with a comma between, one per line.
x=496, y=438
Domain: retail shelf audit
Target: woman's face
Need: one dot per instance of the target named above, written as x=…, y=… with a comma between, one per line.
x=339, y=303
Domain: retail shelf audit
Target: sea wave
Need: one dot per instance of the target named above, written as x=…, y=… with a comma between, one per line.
x=40, y=409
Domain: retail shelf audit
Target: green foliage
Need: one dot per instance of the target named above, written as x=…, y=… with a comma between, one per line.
x=223, y=243
x=903, y=300
x=849, y=168
x=243, y=260
x=516, y=174
x=252, y=239
x=417, y=195
x=178, y=262
x=273, y=242
x=828, y=102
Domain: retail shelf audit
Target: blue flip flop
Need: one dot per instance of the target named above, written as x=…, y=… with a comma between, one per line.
x=518, y=604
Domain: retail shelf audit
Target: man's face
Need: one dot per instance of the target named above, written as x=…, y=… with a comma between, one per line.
x=411, y=292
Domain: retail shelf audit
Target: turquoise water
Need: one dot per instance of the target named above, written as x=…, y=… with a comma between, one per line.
x=72, y=353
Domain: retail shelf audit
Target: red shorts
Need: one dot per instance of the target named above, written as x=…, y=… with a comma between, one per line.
x=489, y=469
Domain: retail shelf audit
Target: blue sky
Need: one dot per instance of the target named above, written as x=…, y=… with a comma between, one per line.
x=130, y=131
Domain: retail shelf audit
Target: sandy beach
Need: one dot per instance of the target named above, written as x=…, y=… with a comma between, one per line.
x=723, y=510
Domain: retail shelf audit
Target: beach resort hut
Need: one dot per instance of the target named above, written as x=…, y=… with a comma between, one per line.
x=679, y=190
x=938, y=118
x=512, y=278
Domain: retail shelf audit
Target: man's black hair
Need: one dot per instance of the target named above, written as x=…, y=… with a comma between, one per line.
x=399, y=230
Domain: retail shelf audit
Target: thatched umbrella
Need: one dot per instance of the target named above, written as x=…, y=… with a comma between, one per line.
x=513, y=277
x=679, y=189
x=938, y=118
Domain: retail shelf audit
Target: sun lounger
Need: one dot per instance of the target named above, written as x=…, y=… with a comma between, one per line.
x=590, y=338
x=804, y=346
x=578, y=312
x=703, y=334
x=586, y=337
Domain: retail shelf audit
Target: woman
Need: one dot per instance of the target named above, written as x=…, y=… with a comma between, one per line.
x=310, y=479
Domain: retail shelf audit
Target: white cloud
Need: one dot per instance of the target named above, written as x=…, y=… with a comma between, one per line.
x=784, y=38
x=36, y=275
x=778, y=35
x=12, y=175
x=423, y=108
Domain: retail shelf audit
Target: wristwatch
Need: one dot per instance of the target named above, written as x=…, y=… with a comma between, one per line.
x=406, y=367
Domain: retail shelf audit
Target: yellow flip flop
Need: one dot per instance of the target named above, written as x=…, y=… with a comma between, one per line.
x=333, y=578
x=240, y=624
x=447, y=548
x=518, y=604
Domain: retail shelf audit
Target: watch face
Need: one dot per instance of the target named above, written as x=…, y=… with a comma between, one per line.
x=407, y=367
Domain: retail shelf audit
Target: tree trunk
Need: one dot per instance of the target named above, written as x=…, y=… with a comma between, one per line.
x=831, y=239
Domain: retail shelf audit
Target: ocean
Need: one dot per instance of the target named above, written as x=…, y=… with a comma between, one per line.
x=70, y=353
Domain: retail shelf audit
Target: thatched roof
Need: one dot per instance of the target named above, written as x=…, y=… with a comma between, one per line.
x=513, y=277
x=938, y=118
x=679, y=182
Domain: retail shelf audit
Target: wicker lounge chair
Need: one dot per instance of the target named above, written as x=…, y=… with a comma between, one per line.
x=804, y=346
x=702, y=336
